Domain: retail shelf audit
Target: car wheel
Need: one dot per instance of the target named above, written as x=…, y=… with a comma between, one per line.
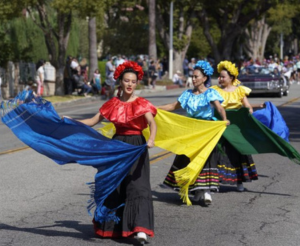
x=286, y=93
x=279, y=94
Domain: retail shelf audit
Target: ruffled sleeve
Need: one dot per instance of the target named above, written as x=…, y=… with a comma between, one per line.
x=233, y=99
x=115, y=110
x=244, y=91
x=213, y=95
x=184, y=98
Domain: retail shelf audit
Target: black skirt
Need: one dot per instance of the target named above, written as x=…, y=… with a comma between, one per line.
x=235, y=168
x=135, y=192
x=208, y=178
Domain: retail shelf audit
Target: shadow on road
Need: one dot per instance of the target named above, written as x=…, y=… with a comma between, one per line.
x=84, y=232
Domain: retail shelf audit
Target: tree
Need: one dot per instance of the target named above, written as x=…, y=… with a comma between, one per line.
x=231, y=17
x=91, y=9
x=92, y=46
x=280, y=18
x=184, y=19
x=57, y=33
x=8, y=11
x=152, y=31
x=256, y=38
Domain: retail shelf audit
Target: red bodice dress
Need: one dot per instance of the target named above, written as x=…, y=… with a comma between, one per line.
x=135, y=190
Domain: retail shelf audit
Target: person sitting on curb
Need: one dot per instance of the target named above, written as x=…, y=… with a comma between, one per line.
x=177, y=78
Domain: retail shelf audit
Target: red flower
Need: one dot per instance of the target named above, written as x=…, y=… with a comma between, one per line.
x=127, y=65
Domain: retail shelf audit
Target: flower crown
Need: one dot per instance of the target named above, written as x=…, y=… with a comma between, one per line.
x=231, y=68
x=205, y=66
x=129, y=65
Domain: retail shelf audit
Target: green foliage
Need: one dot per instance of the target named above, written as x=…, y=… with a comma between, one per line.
x=78, y=42
x=27, y=41
x=5, y=54
x=10, y=9
x=101, y=66
x=280, y=17
x=199, y=47
x=127, y=30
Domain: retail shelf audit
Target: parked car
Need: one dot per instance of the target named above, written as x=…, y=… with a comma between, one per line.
x=262, y=80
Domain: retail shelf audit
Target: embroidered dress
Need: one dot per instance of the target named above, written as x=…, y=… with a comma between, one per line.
x=135, y=191
x=234, y=167
x=199, y=107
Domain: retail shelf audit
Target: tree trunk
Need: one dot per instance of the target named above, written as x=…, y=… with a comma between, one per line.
x=92, y=47
x=64, y=25
x=49, y=35
x=185, y=29
x=257, y=35
x=206, y=29
x=152, y=31
x=231, y=26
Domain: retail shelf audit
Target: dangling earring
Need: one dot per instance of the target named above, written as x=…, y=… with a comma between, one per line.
x=119, y=91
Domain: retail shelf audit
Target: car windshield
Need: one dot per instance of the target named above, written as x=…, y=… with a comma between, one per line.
x=256, y=70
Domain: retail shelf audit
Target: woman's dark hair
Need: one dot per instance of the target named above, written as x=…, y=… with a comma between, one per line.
x=128, y=70
x=39, y=64
x=207, y=82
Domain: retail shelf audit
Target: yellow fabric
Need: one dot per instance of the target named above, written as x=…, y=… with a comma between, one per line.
x=182, y=135
x=233, y=99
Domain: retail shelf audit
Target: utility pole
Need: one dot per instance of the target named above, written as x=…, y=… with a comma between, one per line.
x=171, y=43
x=281, y=46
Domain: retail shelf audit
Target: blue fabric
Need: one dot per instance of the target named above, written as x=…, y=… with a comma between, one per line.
x=37, y=124
x=271, y=118
x=199, y=106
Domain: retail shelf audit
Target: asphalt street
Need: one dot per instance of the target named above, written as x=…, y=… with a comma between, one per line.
x=42, y=203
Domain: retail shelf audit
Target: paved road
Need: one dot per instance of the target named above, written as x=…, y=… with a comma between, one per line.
x=42, y=203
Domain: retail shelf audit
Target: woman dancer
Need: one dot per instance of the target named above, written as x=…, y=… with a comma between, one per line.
x=234, y=168
x=199, y=103
x=130, y=115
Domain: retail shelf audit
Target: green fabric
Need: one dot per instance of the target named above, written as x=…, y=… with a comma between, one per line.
x=249, y=136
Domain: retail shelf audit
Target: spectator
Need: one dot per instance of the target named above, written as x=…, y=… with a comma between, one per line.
x=185, y=66
x=159, y=68
x=96, y=82
x=68, y=77
x=152, y=75
x=119, y=60
x=191, y=67
x=177, y=78
x=110, y=81
x=84, y=69
x=165, y=65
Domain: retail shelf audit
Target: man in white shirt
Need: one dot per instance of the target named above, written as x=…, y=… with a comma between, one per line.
x=119, y=61
x=177, y=78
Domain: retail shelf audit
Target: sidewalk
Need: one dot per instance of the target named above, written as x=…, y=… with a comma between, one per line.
x=158, y=88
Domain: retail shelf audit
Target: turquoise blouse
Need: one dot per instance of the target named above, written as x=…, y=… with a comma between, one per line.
x=199, y=106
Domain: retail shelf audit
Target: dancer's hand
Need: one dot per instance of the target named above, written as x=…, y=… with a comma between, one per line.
x=150, y=143
x=65, y=117
x=227, y=122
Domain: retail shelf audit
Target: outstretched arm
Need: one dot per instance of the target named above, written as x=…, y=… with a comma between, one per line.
x=152, y=125
x=260, y=105
x=170, y=106
x=92, y=121
x=221, y=111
